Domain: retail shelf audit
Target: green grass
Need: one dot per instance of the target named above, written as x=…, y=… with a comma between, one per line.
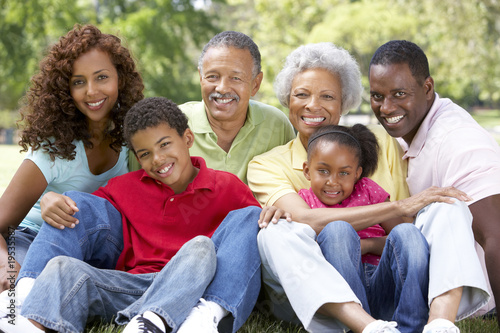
x=11, y=159
x=258, y=323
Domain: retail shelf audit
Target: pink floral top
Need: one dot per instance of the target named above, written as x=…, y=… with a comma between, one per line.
x=365, y=192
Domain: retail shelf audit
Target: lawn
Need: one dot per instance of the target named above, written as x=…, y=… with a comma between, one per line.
x=11, y=160
x=259, y=323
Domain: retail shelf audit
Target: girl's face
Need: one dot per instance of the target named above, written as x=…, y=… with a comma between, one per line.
x=315, y=101
x=94, y=85
x=333, y=170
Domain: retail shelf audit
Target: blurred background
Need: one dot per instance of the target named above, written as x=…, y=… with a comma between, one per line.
x=461, y=39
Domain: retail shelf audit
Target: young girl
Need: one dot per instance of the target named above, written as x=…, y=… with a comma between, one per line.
x=339, y=160
x=388, y=274
x=72, y=123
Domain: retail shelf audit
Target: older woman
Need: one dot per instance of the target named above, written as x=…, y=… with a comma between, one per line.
x=319, y=83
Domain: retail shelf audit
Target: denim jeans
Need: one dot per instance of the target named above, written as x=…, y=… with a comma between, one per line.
x=21, y=240
x=397, y=288
x=237, y=280
x=298, y=279
x=76, y=291
x=98, y=241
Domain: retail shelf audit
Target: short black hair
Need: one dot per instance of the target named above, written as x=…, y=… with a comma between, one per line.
x=151, y=112
x=403, y=52
x=359, y=138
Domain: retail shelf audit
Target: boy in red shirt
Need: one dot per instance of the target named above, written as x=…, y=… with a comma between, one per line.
x=167, y=268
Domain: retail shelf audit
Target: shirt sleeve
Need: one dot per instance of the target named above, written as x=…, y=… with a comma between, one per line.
x=267, y=181
x=470, y=161
x=43, y=162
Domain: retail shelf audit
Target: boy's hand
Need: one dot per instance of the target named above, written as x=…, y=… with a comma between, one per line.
x=57, y=210
x=272, y=214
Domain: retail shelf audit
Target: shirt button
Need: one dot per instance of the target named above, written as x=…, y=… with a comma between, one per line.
x=171, y=199
x=229, y=155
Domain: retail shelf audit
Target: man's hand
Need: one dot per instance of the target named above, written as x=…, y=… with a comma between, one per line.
x=272, y=214
x=412, y=205
x=58, y=210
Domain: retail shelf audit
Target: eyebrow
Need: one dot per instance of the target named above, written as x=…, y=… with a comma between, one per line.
x=157, y=142
x=343, y=167
x=96, y=72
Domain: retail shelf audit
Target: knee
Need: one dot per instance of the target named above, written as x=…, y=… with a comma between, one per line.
x=204, y=250
x=338, y=231
x=411, y=241
x=62, y=264
x=203, y=244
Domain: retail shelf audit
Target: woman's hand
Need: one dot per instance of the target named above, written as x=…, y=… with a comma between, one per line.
x=272, y=214
x=58, y=210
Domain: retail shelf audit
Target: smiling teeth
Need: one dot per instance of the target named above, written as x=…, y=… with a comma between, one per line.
x=96, y=104
x=314, y=120
x=329, y=192
x=165, y=170
x=393, y=120
x=224, y=101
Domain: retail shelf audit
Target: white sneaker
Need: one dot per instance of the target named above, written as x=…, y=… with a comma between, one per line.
x=380, y=326
x=440, y=326
x=17, y=324
x=201, y=319
x=148, y=322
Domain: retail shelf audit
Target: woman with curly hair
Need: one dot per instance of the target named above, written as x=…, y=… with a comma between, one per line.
x=72, y=121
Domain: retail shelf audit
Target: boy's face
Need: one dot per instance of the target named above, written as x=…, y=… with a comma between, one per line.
x=333, y=170
x=164, y=155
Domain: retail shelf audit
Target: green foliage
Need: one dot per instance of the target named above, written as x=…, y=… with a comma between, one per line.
x=461, y=38
x=164, y=35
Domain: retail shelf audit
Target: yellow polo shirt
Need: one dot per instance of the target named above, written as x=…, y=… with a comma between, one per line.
x=279, y=171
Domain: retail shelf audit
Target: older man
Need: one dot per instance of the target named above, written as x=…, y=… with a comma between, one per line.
x=444, y=147
x=230, y=129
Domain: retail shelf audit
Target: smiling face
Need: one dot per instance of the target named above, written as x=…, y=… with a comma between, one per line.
x=333, y=170
x=227, y=83
x=315, y=101
x=94, y=85
x=164, y=155
x=398, y=100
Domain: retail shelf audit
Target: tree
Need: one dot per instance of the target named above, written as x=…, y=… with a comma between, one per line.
x=165, y=37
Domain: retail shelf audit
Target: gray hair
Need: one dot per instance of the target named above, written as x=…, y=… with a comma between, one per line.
x=327, y=56
x=237, y=40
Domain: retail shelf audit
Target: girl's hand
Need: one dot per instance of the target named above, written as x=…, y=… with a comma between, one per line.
x=58, y=210
x=373, y=245
x=272, y=214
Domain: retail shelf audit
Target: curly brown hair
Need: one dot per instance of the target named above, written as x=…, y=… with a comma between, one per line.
x=49, y=117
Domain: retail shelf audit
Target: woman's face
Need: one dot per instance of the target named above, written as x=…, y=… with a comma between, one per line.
x=315, y=101
x=94, y=85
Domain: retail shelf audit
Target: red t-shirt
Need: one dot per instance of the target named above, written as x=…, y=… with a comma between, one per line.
x=157, y=222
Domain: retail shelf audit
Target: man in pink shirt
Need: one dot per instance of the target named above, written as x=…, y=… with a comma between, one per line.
x=444, y=147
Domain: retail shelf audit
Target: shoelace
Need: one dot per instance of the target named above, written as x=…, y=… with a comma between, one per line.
x=147, y=326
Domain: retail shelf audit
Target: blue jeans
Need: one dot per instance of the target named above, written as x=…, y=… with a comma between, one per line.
x=21, y=240
x=397, y=288
x=76, y=291
x=98, y=241
x=236, y=284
